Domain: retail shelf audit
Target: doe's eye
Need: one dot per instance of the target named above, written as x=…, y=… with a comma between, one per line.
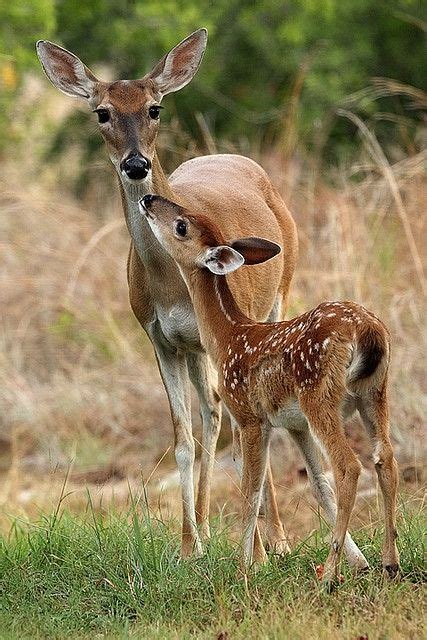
x=103, y=115
x=181, y=228
x=154, y=111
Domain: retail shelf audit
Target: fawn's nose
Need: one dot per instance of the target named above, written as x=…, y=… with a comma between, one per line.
x=135, y=166
x=147, y=200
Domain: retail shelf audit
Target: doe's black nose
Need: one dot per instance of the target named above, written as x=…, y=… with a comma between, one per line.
x=136, y=167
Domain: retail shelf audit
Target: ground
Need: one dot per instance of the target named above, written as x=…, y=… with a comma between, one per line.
x=81, y=403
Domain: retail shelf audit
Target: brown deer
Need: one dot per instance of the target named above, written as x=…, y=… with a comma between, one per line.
x=307, y=374
x=232, y=190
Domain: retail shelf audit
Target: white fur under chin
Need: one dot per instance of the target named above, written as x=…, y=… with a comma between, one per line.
x=136, y=189
x=139, y=231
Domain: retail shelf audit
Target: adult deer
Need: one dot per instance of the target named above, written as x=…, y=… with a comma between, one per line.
x=235, y=192
x=306, y=374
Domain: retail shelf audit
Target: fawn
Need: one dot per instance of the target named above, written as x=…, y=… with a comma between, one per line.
x=307, y=374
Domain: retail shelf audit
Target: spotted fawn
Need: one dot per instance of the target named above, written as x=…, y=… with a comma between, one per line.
x=307, y=374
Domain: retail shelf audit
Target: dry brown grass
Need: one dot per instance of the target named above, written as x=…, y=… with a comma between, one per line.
x=79, y=385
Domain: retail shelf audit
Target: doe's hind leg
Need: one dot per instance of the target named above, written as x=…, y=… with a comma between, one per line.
x=373, y=410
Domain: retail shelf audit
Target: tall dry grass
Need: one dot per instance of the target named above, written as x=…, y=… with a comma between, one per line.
x=79, y=386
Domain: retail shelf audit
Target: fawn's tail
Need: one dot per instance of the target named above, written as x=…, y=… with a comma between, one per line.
x=372, y=347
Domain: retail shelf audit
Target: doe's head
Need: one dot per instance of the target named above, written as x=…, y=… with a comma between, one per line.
x=195, y=242
x=128, y=110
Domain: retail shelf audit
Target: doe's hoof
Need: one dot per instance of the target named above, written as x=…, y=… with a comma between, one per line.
x=280, y=547
x=361, y=569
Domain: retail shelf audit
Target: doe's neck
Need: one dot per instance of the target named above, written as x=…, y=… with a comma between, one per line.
x=145, y=242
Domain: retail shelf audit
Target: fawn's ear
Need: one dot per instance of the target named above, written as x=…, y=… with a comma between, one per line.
x=65, y=71
x=179, y=66
x=256, y=250
x=221, y=260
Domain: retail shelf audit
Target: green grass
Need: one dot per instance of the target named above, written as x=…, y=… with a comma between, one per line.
x=120, y=576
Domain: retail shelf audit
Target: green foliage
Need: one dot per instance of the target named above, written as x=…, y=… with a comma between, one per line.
x=268, y=65
x=121, y=575
x=254, y=53
x=21, y=24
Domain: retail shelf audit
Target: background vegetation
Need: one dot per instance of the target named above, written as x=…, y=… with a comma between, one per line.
x=268, y=66
x=330, y=98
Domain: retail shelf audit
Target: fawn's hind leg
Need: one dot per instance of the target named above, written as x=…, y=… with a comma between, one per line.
x=324, y=494
x=373, y=410
x=326, y=423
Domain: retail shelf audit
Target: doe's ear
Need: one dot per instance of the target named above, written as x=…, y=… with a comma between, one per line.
x=179, y=66
x=66, y=72
x=221, y=260
x=256, y=250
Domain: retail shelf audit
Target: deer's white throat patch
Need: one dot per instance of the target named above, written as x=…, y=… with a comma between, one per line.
x=145, y=241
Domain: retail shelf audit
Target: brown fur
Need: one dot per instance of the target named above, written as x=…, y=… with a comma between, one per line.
x=316, y=360
x=232, y=191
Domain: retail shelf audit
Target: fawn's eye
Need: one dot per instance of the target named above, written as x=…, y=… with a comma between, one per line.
x=154, y=111
x=181, y=228
x=103, y=115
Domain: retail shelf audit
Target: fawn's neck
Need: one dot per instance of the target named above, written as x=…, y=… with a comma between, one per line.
x=218, y=316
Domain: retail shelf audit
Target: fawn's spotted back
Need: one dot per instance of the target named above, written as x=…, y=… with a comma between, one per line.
x=300, y=345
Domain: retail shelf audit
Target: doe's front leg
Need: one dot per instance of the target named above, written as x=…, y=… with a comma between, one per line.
x=173, y=369
x=205, y=380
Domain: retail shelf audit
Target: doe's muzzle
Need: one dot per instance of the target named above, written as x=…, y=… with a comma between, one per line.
x=136, y=166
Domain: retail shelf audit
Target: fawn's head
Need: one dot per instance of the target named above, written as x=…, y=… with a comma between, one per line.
x=128, y=110
x=195, y=242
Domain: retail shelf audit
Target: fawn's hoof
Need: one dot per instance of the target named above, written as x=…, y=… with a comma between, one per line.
x=329, y=579
x=391, y=571
x=330, y=584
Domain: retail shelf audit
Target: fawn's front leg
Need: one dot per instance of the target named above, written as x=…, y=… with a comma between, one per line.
x=255, y=442
x=275, y=533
